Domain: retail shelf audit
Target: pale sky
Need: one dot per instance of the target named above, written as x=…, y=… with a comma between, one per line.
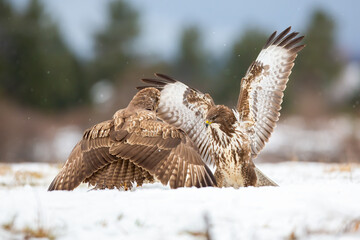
x=221, y=21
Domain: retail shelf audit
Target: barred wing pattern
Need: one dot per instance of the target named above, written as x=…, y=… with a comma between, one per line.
x=261, y=90
x=119, y=174
x=89, y=156
x=186, y=108
x=114, y=156
x=165, y=152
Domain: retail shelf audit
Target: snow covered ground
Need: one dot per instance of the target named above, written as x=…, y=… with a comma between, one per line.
x=314, y=201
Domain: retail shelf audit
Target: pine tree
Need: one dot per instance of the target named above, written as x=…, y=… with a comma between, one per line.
x=40, y=70
x=315, y=69
x=113, y=45
x=7, y=22
x=244, y=51
x=192, y=61
x=319, y=63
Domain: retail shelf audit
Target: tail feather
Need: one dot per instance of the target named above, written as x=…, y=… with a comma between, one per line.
x=263, y=180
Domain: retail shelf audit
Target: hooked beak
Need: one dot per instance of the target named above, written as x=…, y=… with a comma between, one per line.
x=207, y=123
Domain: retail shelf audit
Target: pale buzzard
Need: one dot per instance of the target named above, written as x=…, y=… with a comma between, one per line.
x=233, y=138
x=135, y=146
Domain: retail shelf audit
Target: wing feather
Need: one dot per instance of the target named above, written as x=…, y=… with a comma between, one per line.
x=261, y=90
x=88, y=156
x=167, y=153
x=134, y=146
x=119, y=174
x=185, y=108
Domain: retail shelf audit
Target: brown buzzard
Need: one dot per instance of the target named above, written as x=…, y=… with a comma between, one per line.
x=135, y=146
x=233, y=138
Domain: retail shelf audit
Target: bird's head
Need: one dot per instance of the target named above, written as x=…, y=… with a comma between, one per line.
x=146, y=99
x=221, y=117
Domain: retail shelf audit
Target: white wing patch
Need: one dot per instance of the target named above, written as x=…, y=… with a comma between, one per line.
x=185, y=108
x=261, y=91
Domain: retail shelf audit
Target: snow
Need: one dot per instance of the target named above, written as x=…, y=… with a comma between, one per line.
x=314, y=201
x=318, y=140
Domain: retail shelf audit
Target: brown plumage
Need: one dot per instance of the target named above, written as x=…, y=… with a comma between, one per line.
x=135, y=146
x=231, y=139
x=262, y=88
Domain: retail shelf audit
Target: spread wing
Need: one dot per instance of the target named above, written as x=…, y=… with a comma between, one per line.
x=261, y=91
x=166, y=152
x=185, y=108
x=111, y=156
x=91, y=162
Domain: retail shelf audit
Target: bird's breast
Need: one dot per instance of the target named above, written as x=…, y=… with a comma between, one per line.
x=231, y=150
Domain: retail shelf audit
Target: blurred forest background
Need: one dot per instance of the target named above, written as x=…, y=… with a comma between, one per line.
x=49, y=94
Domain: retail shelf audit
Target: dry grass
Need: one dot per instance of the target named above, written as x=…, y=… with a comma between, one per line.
x=103, y=223
x=9, y=226
x=20, y=177
x=27, y=177
x=346, y=168
x=58, y=165
x=5, y=169
x=292, y=236
x=39, y=232
x=28, y=232
x=356, y=227
x=202, y=234
x=349, y=227
x=23, y=175
x=353, y=226
x=120, y=217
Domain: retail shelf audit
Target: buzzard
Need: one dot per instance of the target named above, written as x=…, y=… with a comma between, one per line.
x=135, y=146
x=232, y=138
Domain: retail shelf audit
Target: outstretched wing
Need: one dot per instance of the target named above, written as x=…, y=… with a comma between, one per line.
x=261, y=91
x=185, y=108
x=109, y=158
x=89, y=156
x=166, y=152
